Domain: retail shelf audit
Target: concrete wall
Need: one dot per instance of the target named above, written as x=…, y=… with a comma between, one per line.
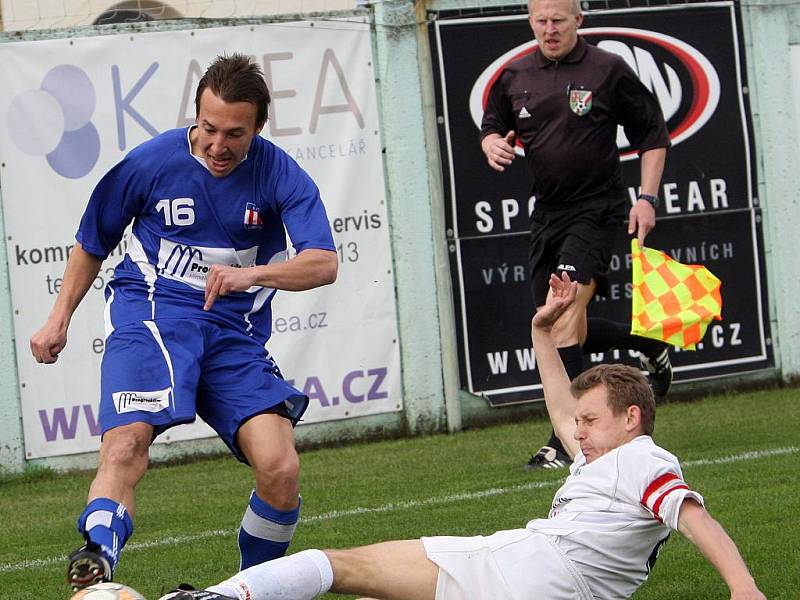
x=770, y=28
x=433, y=399
x=11, y=443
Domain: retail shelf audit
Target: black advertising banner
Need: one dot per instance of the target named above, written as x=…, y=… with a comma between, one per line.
x=689, y=57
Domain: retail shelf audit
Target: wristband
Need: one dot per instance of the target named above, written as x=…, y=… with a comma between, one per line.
x=649, y=198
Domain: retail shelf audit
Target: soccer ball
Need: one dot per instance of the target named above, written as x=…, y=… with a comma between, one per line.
x=110, y=590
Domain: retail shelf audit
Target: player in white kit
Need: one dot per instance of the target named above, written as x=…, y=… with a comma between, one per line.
x=622, y=499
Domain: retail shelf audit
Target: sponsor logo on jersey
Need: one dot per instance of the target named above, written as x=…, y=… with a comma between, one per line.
x=565, y=267
x=524, y=114
x=559, y=503
x=182, y=259
x=141, y=401
x=252, y=217
x=191, y=264
x=580, y=101
x=683, y=80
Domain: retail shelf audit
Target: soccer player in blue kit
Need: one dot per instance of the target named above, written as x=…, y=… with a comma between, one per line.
x=188, y=312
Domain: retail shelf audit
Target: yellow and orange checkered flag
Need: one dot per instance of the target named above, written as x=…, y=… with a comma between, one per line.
x=672, y=302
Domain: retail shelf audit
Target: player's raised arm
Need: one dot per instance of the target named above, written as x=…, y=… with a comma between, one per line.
x=716, y=545
x=558, y=398
x=80, y=272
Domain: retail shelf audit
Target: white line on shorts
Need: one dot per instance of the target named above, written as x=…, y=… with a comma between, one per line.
x=391, y=507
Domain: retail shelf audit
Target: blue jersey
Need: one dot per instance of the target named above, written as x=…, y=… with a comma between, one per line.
x=185, y=220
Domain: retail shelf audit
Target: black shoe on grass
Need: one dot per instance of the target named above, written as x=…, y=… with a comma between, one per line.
x=548, y=458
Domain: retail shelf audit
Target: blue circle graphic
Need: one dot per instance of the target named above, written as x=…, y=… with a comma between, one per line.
x=74, y=91
x=76, y=153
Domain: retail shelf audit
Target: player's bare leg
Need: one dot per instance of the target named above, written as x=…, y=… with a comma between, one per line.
x=391, y=571
x=267, y=440
x=124, y=456
x=398, y=570
x=570, y=328
x=107, y=521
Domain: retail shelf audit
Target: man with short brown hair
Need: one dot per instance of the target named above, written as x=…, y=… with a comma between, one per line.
x=188, y=311
x=625, y=386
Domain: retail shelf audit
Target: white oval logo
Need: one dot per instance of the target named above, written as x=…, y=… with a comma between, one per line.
x=685, y=110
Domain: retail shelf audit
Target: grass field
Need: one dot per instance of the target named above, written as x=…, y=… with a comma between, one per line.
x=742, y=452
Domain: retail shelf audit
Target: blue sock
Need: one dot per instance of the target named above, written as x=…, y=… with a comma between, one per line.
x=265, y=532
x=107, y=524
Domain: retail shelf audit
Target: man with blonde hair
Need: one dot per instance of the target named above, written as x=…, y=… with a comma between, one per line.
x=563, y=104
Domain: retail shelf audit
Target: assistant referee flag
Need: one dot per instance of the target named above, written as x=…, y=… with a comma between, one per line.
x=672, y=302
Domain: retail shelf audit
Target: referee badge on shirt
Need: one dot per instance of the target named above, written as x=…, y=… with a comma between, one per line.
x=252, y=217
x=580, y=101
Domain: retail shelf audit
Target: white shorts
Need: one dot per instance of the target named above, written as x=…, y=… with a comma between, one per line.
x=509, y=565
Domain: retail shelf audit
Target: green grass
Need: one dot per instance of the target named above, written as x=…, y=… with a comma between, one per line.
x=414, y=485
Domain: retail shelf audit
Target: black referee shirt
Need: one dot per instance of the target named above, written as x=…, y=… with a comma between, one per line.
x=565, y=113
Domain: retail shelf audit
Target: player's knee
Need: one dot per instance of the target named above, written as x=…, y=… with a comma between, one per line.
x=125, y=451
x=278, y=473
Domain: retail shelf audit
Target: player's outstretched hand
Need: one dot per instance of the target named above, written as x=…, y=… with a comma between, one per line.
x=562, y=294
x=223, y=280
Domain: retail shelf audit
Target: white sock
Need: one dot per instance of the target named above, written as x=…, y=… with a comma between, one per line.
x=301, y=576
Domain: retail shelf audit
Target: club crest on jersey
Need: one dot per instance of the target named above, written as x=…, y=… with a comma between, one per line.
x=580, y=101
x=252, y=217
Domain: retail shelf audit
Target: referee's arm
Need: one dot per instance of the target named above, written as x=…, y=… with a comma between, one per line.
x=642, y=217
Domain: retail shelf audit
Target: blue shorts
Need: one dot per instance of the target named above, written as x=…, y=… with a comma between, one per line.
x=169, y=371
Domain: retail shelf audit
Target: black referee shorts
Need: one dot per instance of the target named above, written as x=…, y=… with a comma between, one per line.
x=577, y=239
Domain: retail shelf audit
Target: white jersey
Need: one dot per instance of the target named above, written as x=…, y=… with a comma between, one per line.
x=611, y=516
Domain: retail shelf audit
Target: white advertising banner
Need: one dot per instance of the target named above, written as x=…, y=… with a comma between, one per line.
x=71, y=108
